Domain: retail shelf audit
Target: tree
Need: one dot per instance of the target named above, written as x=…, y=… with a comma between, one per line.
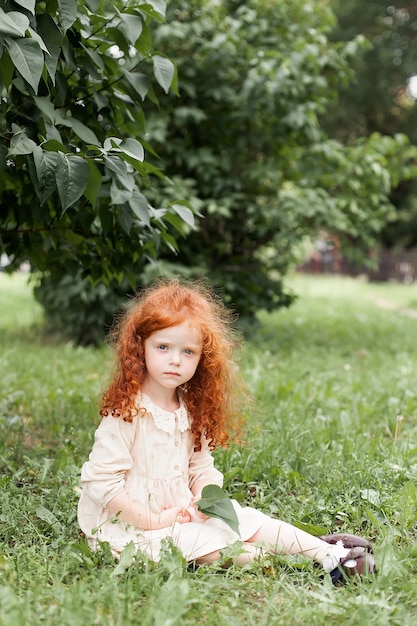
x=255, y=78
x=379, y=99
x=240, y=140
x=73, y=79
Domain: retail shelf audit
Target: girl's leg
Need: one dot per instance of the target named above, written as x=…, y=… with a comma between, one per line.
x=282, y=538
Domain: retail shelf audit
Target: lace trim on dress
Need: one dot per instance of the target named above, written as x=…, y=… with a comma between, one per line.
x=165, y=420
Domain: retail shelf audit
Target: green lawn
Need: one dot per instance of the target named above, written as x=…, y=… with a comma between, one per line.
x=331, y=444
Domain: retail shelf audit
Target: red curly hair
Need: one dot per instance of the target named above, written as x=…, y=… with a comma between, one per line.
x=216, y=394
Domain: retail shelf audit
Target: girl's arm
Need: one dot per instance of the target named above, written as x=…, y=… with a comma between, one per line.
x=201, y=470
x=132, y=513
x=103, y=478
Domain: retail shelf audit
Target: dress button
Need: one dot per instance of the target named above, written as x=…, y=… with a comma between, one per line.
x=177, y=443
x=176, y=467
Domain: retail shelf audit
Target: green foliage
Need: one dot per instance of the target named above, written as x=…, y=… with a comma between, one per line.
x=379, y=100
x=74, y=173
x=255, y=79
x=78, y=310
x=330, y=445
x=237, y=130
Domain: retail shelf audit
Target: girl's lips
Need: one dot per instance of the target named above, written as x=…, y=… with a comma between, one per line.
x=171, y=374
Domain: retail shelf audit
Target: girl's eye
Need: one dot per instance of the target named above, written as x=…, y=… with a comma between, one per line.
x=188, y=351
x=162, y=347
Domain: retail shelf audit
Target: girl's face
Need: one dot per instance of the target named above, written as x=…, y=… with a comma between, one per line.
x=171, y=356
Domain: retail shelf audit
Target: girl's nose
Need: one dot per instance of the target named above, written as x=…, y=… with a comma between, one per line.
x=175, y=358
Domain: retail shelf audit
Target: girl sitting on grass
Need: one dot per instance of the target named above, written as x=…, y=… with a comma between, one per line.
x=176, y=394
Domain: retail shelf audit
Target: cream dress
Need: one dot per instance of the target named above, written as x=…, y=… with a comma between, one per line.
x=153, y=459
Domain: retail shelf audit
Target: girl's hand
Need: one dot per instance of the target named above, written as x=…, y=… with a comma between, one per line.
x=195, y=512
x=169, y=515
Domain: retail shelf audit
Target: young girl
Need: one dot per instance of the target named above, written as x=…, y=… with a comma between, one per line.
x=175, y=396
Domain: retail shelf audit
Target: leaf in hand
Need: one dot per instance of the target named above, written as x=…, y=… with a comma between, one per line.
x=215, y=503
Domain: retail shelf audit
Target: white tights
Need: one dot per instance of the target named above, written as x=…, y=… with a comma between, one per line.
x=280, y=538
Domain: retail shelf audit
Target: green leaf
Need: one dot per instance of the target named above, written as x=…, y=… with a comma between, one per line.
x=72, y=176
x=45, y=105
x=407, y=500
x=13, y=23
x=94, y=183
x=3, y=155
x=27, y=4
x=139, y=206
x=132, y=148
x=45, y=164
x=170, y=242
x=106, y=219
x=131, y=27
x=154, y=8
x=139, y=82
x=144, y=43
x=47, y=516
x=6, y=70
x=54, y=146
x=38, y=39
x=53, y=39
x=21, y=144
x=215, y=503
x=119, y=196
x=126, y=559
x=28, y=59
x=176, y=221
x=164, y=70
x=172, y=602
x=185, y=214
x=115, y=164
x=82, y=131
x=67, y=13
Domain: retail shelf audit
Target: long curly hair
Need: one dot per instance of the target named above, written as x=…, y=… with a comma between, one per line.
x=216, y=395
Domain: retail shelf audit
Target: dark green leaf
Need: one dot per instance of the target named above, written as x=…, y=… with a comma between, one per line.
x=72, y=176
x=215, y=503
x=28, y=59
x=45, y=164
x=94, y=183
x=67, y=13
x=115, y=164
x=154, y=8
x=83, y=132
x=139, y=206
x=6, y=69
x=54, y=146
x=53, y=39
x=139, y=82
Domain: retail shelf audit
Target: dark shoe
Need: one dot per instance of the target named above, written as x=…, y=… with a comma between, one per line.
x=359, y=561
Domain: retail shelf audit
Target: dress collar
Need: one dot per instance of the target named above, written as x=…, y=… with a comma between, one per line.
x=165, y=420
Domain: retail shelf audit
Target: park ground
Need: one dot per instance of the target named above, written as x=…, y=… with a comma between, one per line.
x=330, y=445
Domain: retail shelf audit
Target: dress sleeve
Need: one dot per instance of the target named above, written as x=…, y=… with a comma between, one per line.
x=201, y=467
x=103, y=475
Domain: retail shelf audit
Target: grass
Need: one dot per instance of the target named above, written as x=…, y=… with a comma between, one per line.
x=332, y=444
